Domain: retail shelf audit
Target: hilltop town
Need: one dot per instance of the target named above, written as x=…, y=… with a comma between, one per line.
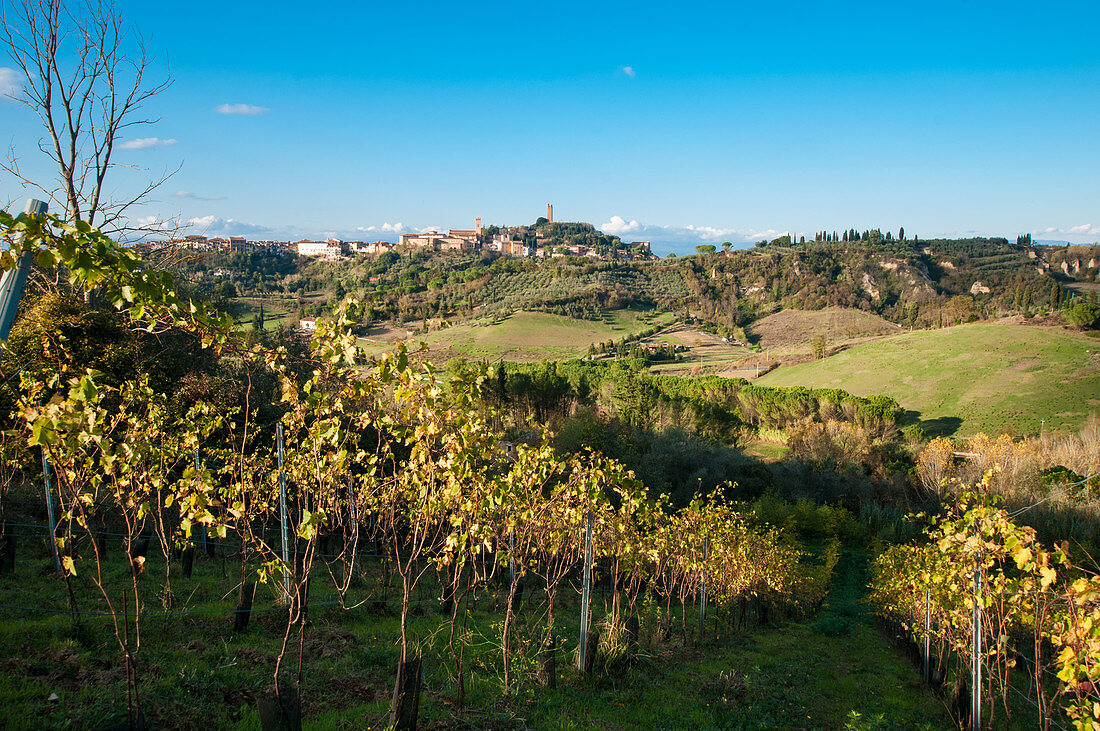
x=544, y=239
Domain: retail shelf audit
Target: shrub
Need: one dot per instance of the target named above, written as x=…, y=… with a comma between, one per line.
x=1083, y=315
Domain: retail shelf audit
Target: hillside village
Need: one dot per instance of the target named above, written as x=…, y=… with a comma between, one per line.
x=545, y=239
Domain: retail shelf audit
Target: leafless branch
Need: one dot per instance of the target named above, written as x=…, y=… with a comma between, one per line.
x=84, y=76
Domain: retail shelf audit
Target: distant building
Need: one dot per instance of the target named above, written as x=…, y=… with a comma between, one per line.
x=373, y=248
x=509, y=245
x=308, y=323
x=456, y=243
x=473, y=234
x=429, y=239
x=330, y=249
x=470, y=235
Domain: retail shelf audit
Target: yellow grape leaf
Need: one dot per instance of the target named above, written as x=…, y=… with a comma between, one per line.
x=1023, y=558
x=67, y=564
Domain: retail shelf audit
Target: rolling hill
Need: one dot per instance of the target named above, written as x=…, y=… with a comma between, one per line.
x=961, y=380
x=793, y=327
x=524, y=336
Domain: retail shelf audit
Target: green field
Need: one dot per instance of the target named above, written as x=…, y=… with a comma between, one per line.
x=529, y=336
x=983, y=377
x=807, y=672
x=276, y=311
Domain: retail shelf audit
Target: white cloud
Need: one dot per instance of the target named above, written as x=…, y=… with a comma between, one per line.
x=394, y=228
x=11, y=83
x=618, y=226
x=1083, y=229
x=156, y=223
x=218, y=226
x=144, y=143
x=628, y=71
x=686, y=237
x=733, y=235
x=249, y=110
x=196, y=196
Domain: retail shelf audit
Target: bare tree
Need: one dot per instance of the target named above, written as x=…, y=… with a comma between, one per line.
x=85, y=77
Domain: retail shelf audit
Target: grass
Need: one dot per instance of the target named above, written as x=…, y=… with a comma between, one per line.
x=707, y=353
x=983, y=377
x=766, y=451
x=276, y=311
x=196, y=673
x=781, y=337
x=794, y=327
x=530, y=336
x=792, y=675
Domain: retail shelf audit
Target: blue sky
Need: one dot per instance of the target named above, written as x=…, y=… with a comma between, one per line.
x=680, y=123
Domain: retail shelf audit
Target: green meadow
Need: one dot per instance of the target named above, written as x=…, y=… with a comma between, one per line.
x=982, y=377
x=809, y=672
x=529, y=336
